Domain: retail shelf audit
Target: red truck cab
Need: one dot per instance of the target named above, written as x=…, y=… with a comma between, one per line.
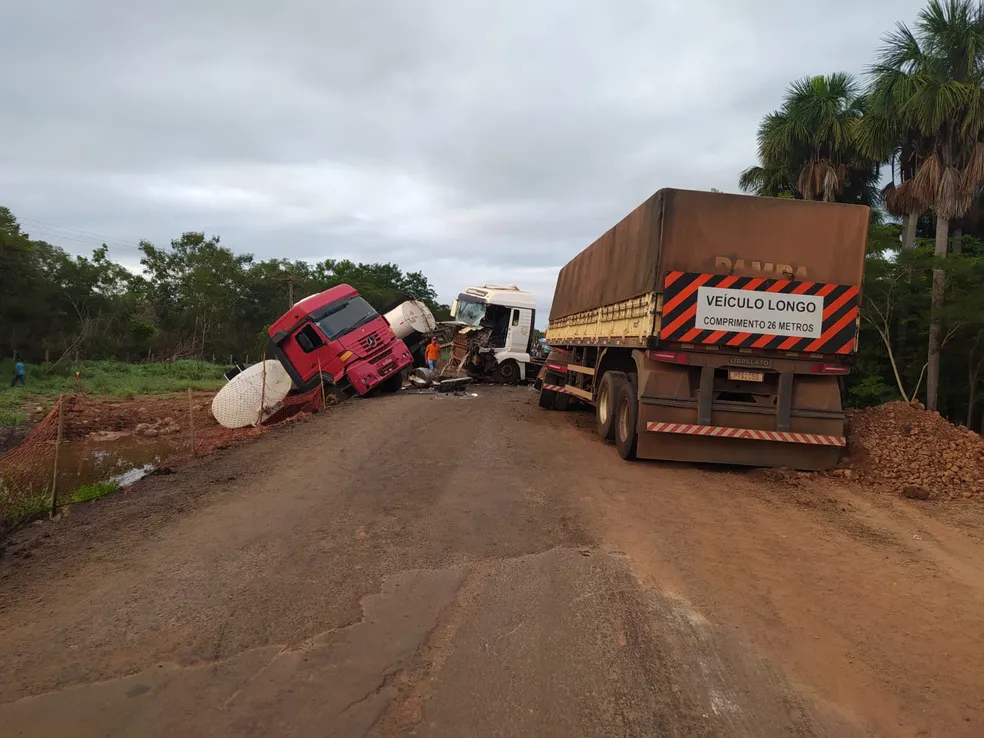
x=337, y=337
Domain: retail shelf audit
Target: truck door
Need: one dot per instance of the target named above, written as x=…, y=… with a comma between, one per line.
x=518, y=335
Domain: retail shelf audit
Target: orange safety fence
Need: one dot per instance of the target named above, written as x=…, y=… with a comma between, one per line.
x=105, y=439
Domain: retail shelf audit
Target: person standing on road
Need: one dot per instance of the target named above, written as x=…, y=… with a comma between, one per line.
x=18, y=374
x=432, y=353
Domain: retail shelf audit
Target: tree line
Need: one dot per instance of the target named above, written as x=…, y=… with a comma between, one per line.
x=916, y=114
x=193, y=299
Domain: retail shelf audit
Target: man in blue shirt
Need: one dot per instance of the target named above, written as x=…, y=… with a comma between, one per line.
x=18, y=374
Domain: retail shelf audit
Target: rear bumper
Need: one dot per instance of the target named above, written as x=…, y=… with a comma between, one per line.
x=717, y=431
x=748, y=437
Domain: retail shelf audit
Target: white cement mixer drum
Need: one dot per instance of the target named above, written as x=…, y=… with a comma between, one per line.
x=410, y=316
x=237, y=405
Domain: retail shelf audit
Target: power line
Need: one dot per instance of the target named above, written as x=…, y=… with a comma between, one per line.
x=71, y=233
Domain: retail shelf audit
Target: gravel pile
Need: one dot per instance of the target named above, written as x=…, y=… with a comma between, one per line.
x=902, y=447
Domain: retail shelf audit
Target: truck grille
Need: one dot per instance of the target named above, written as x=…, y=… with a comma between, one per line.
x=371, y=342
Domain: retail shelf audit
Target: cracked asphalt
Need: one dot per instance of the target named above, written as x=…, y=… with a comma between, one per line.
x=471, y=566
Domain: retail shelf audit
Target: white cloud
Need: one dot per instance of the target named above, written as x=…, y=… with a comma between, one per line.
x=475, y=141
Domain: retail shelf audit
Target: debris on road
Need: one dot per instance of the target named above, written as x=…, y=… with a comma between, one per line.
x=920, y=454
x=420, y=385
x=452, y=385
x=421, y=377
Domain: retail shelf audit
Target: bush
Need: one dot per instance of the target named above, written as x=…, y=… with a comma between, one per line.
x=94, y=491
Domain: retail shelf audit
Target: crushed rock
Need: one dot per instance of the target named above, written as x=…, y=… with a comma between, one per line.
x=901, y=447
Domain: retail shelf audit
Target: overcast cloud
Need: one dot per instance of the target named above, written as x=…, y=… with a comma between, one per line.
x=476, y=142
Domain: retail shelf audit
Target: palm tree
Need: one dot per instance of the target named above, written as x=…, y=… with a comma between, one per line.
x=808, y=146
x=882, y=138
x=932, y=79
x=767, y=182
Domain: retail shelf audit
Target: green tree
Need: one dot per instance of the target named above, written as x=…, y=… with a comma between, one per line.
x=931, y=78
x=808, y=148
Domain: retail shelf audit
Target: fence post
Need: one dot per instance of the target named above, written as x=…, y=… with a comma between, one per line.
x=191, y=424
x=259, y=415
x=58, y=442
x=324, y=400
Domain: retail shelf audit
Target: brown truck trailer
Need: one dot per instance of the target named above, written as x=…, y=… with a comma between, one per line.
x=707, y=327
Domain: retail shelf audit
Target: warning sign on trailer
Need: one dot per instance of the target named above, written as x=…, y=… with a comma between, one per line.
x=760, y=313
x=740, y=310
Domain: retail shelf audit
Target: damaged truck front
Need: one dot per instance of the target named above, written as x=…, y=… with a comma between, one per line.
x=336, y=337
x=708, y=327
x=494, y=333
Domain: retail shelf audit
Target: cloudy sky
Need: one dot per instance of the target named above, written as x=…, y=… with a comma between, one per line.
x=475, y=141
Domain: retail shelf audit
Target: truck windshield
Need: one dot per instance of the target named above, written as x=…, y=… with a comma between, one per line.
x=471, y=313
x=346, y=315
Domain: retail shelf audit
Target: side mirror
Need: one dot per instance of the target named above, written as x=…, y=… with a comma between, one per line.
x=454, y=308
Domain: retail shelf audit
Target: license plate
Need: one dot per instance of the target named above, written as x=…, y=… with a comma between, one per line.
x=739, y=376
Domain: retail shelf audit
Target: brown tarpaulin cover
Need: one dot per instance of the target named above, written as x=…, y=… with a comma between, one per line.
x=685, y=230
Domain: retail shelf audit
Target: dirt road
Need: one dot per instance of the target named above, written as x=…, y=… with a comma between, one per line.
x=477, y=567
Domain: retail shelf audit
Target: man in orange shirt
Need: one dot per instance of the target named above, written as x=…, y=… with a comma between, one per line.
x=433, y=353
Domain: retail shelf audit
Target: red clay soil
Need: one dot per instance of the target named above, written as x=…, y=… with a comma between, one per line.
x=902, y=447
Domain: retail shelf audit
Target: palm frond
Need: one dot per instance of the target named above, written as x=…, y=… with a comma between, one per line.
x=952, y=199
x=926, y=183
x=973, y=173
x=900, y=50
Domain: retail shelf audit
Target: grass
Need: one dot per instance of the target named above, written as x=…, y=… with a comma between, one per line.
x=107, y=378
x=29, y=507
x=39, y=504
x=94, y=491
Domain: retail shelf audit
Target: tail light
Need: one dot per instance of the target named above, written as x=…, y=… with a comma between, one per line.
x=830, y=369
x=672, y=357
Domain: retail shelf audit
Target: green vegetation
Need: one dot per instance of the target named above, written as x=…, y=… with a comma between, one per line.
x=196, y=304
x=114, y=378
x=38, y=504
x=28, y=507
x=918, y=116
x=94, y=491
x=196, y=299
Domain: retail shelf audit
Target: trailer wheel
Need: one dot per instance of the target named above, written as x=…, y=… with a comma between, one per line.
x=626, y=419
x=611, y=382
x=562, y=401
x=547, y=398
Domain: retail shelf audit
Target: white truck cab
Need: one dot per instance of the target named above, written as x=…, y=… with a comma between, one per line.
x=505, y=315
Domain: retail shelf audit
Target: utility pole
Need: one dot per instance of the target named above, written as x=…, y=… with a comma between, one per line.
x=289, y=279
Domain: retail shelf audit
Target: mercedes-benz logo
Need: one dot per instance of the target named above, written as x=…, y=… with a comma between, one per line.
x=370, y=342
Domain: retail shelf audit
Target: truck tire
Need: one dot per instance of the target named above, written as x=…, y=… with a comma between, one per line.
x=508, y=372
x=547, y=398
x=626, y=419
x=562, y=401
x=611, y=383
x=393, y=384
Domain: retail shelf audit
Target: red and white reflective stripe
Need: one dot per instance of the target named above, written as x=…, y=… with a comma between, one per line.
x=555, y=388
x=717, y=431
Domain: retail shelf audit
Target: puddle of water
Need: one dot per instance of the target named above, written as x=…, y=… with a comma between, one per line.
x=122, y=460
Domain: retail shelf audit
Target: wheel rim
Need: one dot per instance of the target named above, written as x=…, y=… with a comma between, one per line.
x=506, y=370
x=603, y=409
x=623, y=421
